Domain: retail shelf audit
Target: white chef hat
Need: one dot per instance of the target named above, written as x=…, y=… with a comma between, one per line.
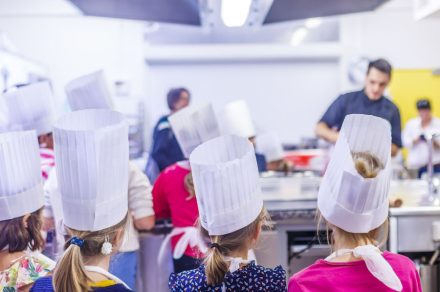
x=88, y=92
x=226, y=184
x=346, y=199
x=270, y=146
x=21, y=189
x=194, y=125
x=91, y=154
x=30, y=107
x=236, y=119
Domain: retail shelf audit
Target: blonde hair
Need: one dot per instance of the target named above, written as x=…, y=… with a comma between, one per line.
x=69, y=274
x=368, y=166
x=216, y=266
x=189, y=186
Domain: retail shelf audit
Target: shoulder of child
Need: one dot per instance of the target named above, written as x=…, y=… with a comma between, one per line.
x=186, y=280
x=43, y=284
x=276, y=277
x=112, y=288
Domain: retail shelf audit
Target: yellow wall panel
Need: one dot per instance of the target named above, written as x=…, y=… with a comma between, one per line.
x=408, y=86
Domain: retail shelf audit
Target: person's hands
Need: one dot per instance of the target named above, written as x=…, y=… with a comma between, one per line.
x=144, y=223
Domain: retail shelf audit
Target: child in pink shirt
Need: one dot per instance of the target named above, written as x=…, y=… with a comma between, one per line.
x=172, y=198
x=353, y=203
x=354, y=276
x=173, y=192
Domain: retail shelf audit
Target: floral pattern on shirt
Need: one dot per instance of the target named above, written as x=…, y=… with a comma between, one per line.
x=25, y=271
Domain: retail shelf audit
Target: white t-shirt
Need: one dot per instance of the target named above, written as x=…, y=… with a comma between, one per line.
x=418, y=153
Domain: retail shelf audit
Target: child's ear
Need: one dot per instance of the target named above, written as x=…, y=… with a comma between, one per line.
x=25, y=220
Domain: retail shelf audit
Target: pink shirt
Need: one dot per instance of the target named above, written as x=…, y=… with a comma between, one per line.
x=170, y=200
x=354, y=276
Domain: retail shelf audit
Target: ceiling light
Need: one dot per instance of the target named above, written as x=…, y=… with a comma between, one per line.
x=313, y=22
x=298, y=36
x=235, y=12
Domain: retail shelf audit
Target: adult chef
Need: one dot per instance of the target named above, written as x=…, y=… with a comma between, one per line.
x=165, y=150
x=370, y=101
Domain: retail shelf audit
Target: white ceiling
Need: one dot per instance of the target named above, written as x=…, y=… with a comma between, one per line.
x=10, y=8
x=328, y=31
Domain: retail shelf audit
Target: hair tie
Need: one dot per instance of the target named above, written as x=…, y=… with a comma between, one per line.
x=77, y=241
x=215, y=245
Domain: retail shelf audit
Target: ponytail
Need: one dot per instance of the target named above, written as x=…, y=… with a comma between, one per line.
x=69, y=273
x=215, y=265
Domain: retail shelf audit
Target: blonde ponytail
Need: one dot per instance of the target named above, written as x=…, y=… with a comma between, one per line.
x=216, y=266
x=366, y=164
x=69, y=274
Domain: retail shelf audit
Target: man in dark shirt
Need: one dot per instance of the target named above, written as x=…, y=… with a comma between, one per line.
x=166, y=150
x=369, y=101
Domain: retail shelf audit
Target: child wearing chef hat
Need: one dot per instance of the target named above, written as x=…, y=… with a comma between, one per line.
x=236, y=119
x=93, y=197
x=270, y=146
x=353, y=201
x=31, y=107
x=231, y=210
x=173, y=192
x=21, y=202
x=90, y=92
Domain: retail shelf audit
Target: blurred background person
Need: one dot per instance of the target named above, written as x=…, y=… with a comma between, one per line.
x=415, y=135
x=165, y=149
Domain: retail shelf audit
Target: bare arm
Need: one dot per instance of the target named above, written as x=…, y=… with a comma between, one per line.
x=144, y=223
x=324, y=132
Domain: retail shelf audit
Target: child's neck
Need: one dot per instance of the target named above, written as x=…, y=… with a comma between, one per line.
x=7, y=259
x=97, y=261
x=242, y=253
x=345, y=244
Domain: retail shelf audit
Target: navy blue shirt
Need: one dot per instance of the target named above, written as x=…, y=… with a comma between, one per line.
x=166, y=150
x=261, y=162
x=358, y=103
x=249, y=278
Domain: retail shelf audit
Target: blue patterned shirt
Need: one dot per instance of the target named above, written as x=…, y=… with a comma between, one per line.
x=249, y=278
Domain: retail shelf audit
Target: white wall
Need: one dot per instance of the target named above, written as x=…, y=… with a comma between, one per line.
x=391, y=32
x=286, y=97
x=69, y=46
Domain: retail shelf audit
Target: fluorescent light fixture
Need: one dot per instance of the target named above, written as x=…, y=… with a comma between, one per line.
x=298, y=36
x=235, y=12
x=313, y=22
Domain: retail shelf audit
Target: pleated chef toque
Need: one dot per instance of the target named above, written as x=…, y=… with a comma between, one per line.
x=89, y=92
x=30, y=107
x=345, y=198
x=91, y=155
x=270, y=146
x=21, y=188
x=226, y=184
x=194, y=125
x=236, y=119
